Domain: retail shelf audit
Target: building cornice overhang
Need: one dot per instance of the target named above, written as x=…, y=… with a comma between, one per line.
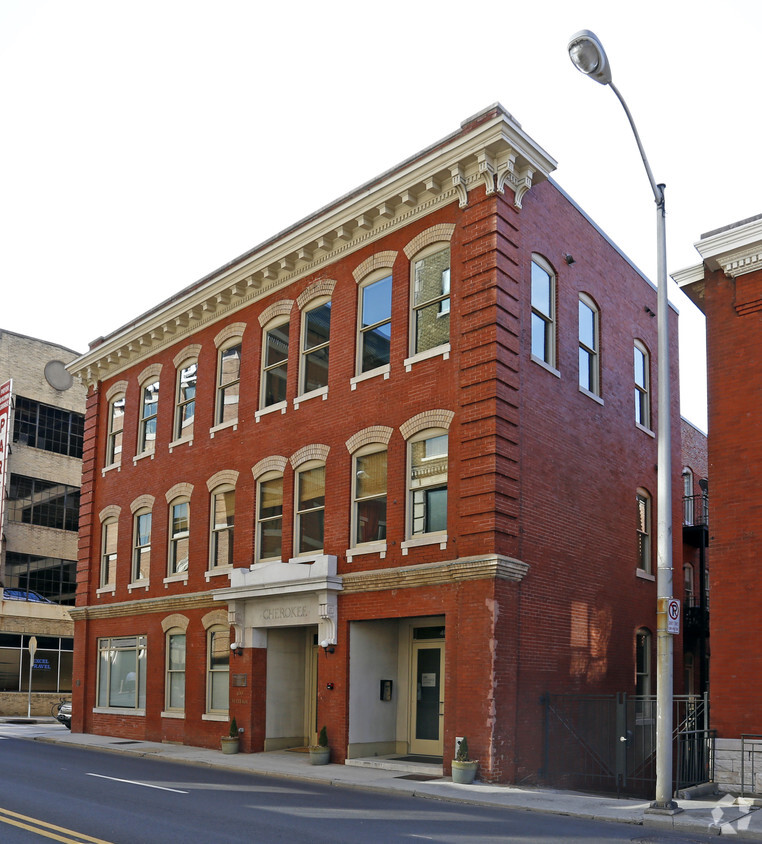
x=143, y=606
x=490, y=149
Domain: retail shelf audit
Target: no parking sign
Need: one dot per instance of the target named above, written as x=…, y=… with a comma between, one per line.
x=673, y=616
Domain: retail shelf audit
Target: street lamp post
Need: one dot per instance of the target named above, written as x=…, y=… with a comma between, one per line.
x=589, y=57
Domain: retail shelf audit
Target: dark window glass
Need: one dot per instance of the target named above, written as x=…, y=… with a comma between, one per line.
x=33, y=578
x=34, y=501
x=49, y=428
x=375, y=330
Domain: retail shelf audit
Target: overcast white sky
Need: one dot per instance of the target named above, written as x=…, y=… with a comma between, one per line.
x=146, y=143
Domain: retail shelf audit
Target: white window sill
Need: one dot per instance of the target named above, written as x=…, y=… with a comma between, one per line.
x=218, y=572
x=108, y=589
x=545, y=365
x=233, y=423
x=138, y=584
x=212, y=717
x=281, y=406
x=264, y=562
x=367, y=548
x=177, y=443
x=181, y=577
x=594, y=396
x=306, y=560
x=110, y=468
x=313, y=394
x=438, y=351
x=118, y=710
x=424, y=539
x=645, y=430
x=178, y=715
x=378, y=372
x=644, y=575
x=142, y=456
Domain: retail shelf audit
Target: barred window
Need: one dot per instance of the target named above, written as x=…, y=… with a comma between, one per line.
x=49, y=428
x=33, y=501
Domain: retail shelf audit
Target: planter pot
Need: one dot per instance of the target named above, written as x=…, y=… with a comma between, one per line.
x=320, y=755
x=229, y=744
x=464, y=772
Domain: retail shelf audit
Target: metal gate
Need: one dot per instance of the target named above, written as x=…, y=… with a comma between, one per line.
x=608, y=743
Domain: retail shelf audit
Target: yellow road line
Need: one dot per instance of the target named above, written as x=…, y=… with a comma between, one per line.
x=48, y=830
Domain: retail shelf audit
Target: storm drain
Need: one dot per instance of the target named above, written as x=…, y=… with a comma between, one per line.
x=418, y=777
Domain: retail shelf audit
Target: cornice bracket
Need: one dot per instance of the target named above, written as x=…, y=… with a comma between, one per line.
x=459, y=183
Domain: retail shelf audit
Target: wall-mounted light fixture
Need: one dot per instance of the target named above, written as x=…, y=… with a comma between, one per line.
x=236, y=649
x=569, y=259
x=327, y=646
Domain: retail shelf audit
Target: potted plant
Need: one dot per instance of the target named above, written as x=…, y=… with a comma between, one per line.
x=463, y=768
x=320, y=753
x=229, y=742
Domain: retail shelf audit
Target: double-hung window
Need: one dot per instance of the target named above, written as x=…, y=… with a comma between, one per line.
x=179, y=535
x=589, y=344
x=218, y=670
x=185, y=402
x=175, y=673
x=115, y=429
x=222, y=526
x=543, y=312
x=642, y=386
x=316, y=330
x=141, y=545
x=310, y=508
x=149, y=408
x=109, y=539
x=375, y=323
x=369, y=495
x=228, y=383
x=269, y=517
x=431, y=299
x=274, y=364
x=643, y=500
x=427, y=483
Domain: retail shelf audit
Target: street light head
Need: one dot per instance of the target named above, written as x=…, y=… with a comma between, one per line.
x=589, y=57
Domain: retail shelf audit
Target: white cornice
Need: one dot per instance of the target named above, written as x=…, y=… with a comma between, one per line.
x=735, y=250
x=491, y=150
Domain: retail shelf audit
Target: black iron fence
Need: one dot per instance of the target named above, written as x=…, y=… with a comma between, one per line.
x=751, y=764
x=696, y=509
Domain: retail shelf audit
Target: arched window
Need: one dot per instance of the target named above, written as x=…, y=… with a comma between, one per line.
x=310, y=508
x=375, y=321
x=174, y=686
x=427, y=482
x=543, y=311
x=141, y=545
x=115, y=428
x=222, y=524
x=185, y=400
x=179, y=535
x=149, y=409
x=430, y=298
x=642, y=386
x=109, y=540
x=316, y=331
x=269, y=527
x=369, y=494
x=589, y=345
x=217, y=670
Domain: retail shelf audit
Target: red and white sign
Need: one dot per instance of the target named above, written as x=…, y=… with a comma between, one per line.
x=673, y=616
x=5, y=435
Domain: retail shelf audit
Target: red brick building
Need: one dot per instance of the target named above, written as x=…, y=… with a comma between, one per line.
x=727, y=287
x=384, y=472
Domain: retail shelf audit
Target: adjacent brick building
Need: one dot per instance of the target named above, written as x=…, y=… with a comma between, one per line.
x=392, y=471
x=727, y=287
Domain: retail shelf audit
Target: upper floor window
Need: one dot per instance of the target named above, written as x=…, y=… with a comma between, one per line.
x=49, y=428
x=115, y=429
x=310, y=508
x=185, y=403
x=642, y=386
x=228, y=383
x=149, y=408
x=543, y=312
x=375, y=323
x=275, y=363
x=643, y=708
x=141, y=545
x=34, y=501
x=109, y=539
x=427, y=482
x=688, y=585
x=589, y=343
x=269, y=516
x=179, y=535
x=53, y=578
x=369, y=495
x=222, y=525
x=430, y=320
x=316, y=329
x=643, y=501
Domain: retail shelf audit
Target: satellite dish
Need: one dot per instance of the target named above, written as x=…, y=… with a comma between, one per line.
x=57, y=376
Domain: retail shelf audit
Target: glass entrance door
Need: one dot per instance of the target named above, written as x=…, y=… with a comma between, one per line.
x=427, y=706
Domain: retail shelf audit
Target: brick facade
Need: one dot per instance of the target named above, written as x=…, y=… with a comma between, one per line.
x=531, y=588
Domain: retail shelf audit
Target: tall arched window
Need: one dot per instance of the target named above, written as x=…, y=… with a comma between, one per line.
x=217, y=670
x=543, y=311
x=310, y=508
x=222, y=525
x=644, y=518
x=269, y=527
x=589, y=345
x=115, y=428
x=430, y=295
x=642, y=386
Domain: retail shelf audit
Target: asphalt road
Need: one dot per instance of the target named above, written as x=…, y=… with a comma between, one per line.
x=53, y=792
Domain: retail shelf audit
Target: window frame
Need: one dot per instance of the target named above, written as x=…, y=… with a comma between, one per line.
x=643, y=674
x=222, y=387
x=364, y=331
x=115, y=645
x=171, y=704
x=262, y=522
x=108, y=558
x=182, y=404
x=358, y=501
x=217, y=530
x=212, y=671
x=591, y=353
x=642, y=390
x=148, y=417
x=644, y=531
x=549, y=320
x=139, y=549
x=410, y=518
x=267, y=369
x=415, y=308
x=305, y=353
x=301, y=513
x=115, y=437
x=175, y=538
x=43, y=426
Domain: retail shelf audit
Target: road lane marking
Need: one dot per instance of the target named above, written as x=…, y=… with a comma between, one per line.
x=48, y=830
x=136, y=782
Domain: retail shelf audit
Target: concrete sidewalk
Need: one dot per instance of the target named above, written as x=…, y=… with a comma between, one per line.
x=711, y=814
